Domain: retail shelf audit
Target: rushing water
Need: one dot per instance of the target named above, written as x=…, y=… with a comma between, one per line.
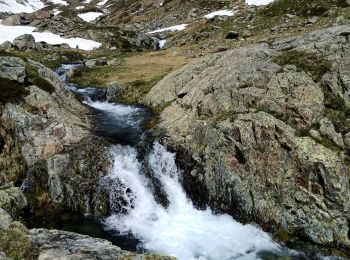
x=174, y=228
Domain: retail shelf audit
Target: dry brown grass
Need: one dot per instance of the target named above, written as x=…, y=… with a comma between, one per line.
x=144, y=66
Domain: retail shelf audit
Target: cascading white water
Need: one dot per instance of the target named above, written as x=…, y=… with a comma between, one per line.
x=179, y=230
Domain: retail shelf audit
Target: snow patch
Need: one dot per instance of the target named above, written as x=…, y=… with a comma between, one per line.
x=220, y=13
x=162, y=43
x=9, y=33
x=102, y=3
x=12, y=6
x=90, y=16
x=80, y=7
x=174, y=28
x=258, y=2
x=59, y=2
x=56, y=11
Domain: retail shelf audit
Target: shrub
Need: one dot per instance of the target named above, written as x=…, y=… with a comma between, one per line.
x=11, y=91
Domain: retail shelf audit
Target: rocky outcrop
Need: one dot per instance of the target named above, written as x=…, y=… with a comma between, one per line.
x=44, y=137
x=259, y=131
x=55, y=244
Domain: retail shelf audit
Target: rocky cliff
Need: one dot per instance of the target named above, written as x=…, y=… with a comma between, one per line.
x=263, y=133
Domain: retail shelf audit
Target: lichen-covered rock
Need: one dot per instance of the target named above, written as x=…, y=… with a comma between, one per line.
x=12, y=68
x=241, y=121
x=12, y=199
x=24, y=42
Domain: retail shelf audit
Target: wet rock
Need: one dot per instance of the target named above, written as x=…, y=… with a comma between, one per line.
x=24, y=42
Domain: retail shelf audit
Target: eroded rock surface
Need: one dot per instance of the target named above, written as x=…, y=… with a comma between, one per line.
x=260, y=133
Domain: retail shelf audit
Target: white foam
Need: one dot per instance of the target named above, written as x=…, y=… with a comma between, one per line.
x=179, y=230
x=117, y=109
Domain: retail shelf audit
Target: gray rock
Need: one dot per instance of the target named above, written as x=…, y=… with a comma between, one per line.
x=5, y=219
x=328, y=130
x=95, y=62
x=12, y=20
x=115, y=90
x=24, y=42
x=55, y=244
x=235, y=117
x=12, y=68
x=7, y=45
x=114, y=62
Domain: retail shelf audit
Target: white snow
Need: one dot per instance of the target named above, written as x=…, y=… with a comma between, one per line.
x=12, y=6
x=258, y=2
x=162, y=43
x=102, y=3
x=87, y=1
x=56, y=11
x=174, y=28
x=80, y=7
x=60, y=2
x=220, y=13
x=90, y=16
x=9, y=33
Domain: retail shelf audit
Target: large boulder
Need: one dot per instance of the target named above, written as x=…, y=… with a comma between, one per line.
x=12, y=20
x=12, y=68
x=241, y=120
x=24, y=42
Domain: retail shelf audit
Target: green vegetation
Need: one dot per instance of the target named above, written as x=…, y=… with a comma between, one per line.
x=11, y=90
x=15, y=243
x=34, y=78
x=304, y=8
x=136, y=90
x=305, y=61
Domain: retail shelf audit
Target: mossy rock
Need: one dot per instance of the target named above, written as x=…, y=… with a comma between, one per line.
x=305, y=61
x=34, y=78
x=15, y=243
x=11, y=90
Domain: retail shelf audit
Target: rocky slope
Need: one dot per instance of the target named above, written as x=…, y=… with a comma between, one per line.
x=50, y=160
x=263, y=132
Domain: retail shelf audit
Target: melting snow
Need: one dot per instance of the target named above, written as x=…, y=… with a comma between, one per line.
x=175, y=28
x=258, y=2
x=56, y=11
x=12, y=6
x=90, y=16
x=220, y=13
x=9, y=33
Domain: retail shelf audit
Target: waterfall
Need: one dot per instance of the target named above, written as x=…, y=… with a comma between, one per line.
x=179, y=230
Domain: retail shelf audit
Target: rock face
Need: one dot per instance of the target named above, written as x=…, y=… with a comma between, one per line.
x=241, y=121
x=43, y=137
